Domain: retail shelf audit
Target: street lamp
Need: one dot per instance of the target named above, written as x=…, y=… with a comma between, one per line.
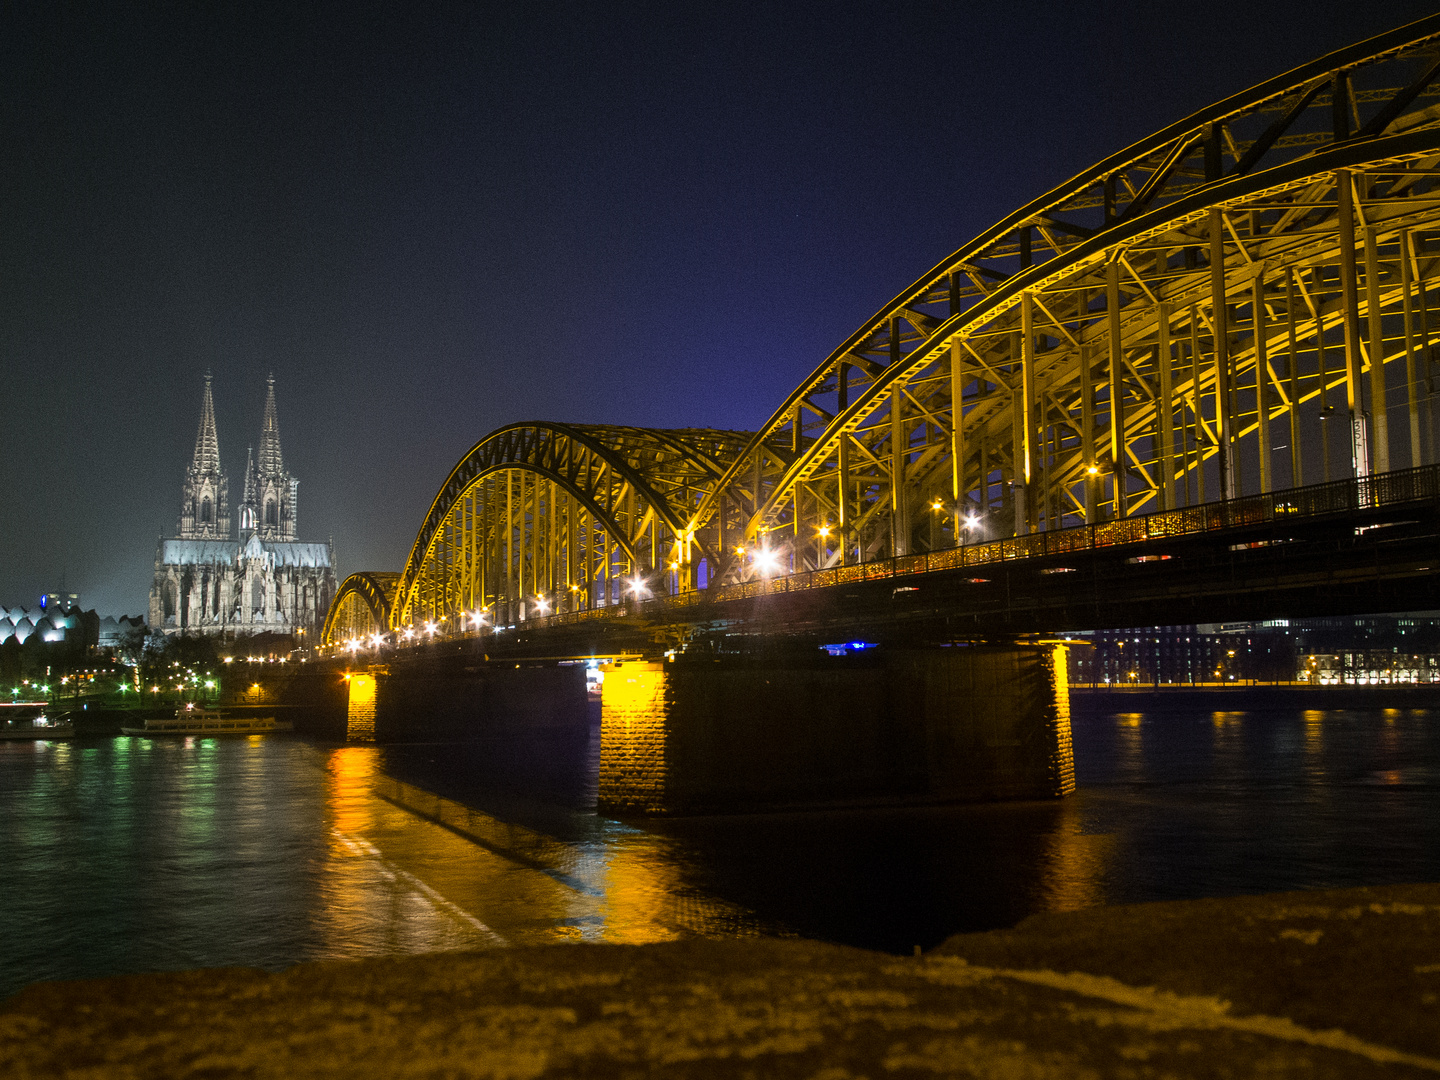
x=766, y=561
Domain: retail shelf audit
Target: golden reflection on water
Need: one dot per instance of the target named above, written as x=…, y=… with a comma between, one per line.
x=409, y=871
x=1128, y=741
x=348, y=787
x=1075, y=864
x=637, y=892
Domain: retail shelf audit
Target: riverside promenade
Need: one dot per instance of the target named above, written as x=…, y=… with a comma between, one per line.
x=1341, y=983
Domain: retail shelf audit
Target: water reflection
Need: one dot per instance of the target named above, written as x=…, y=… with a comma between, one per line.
x=1075, y=865
x=136, y=854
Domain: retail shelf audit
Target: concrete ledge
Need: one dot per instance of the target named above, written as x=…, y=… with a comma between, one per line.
x=1328, y=984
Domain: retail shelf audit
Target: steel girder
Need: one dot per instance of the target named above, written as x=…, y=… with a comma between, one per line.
x=556, y=513
x=361, y=607
x=1103, y=342
x=1245, y=301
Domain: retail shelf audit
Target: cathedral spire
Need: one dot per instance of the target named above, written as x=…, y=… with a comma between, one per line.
x=249, y=496
x=270, y=491
x=271, y=463
x=207, y=443
x=205, y=497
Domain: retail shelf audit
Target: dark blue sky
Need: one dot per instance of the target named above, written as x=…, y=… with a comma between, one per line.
x=430, y=221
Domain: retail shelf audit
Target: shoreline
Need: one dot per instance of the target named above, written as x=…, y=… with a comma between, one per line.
x=1342, y=983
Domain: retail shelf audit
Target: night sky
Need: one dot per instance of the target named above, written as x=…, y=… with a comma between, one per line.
x=431, y=221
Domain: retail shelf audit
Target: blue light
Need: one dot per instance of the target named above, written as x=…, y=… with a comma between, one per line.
x=844, y=648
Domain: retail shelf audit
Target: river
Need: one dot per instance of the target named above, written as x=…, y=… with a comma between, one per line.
x=128, y=854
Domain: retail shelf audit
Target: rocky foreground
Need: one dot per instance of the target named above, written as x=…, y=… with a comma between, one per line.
x=1320, y=984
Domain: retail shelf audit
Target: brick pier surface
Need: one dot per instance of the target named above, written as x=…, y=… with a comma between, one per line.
x=1325, y=984
x=701, y=735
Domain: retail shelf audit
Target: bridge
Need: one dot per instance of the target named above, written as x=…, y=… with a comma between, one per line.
x=1240, y=305
x=1193, y=382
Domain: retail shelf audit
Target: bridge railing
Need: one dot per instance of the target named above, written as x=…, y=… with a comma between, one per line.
x=1390, y=489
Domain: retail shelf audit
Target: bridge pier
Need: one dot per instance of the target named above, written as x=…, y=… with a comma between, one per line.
x=951, y=724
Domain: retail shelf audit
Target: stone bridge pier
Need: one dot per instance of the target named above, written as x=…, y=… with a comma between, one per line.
x=719, y=733
x=724, y=734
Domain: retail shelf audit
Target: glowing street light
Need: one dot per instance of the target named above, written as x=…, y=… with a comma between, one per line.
x=766, y=561
x=541, y=605
x=638, y=588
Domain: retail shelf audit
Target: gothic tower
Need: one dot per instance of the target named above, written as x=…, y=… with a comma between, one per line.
x=205, y=499
x=270, y=492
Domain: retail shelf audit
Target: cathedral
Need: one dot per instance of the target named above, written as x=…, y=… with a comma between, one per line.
x=208, y=581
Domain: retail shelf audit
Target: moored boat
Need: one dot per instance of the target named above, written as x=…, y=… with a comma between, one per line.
x=36, y=727
x=197, y=720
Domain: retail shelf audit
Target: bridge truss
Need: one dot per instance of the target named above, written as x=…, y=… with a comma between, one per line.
x=544, y=517
x=1243, y=302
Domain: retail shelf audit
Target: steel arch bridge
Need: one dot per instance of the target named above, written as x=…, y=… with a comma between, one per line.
x=540, y=517
x=361, y=607
x=1241, y=303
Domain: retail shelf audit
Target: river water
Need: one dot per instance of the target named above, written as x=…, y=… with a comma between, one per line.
x=129, y=854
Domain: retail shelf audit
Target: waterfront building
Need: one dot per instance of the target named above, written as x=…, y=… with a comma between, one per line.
x=1356, y=650
x=266, y=581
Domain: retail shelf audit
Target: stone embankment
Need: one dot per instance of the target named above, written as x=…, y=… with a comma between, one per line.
x=1324, y=984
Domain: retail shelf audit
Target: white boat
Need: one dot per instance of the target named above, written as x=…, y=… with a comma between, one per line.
x=36, y=727
x=197, y=720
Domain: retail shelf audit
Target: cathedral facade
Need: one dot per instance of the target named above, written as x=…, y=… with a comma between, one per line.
x=211, y=581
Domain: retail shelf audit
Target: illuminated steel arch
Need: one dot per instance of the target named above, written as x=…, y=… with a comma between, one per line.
x=1245, y=301
x=361, y=607
x=1103, y=342
x=548, y=517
